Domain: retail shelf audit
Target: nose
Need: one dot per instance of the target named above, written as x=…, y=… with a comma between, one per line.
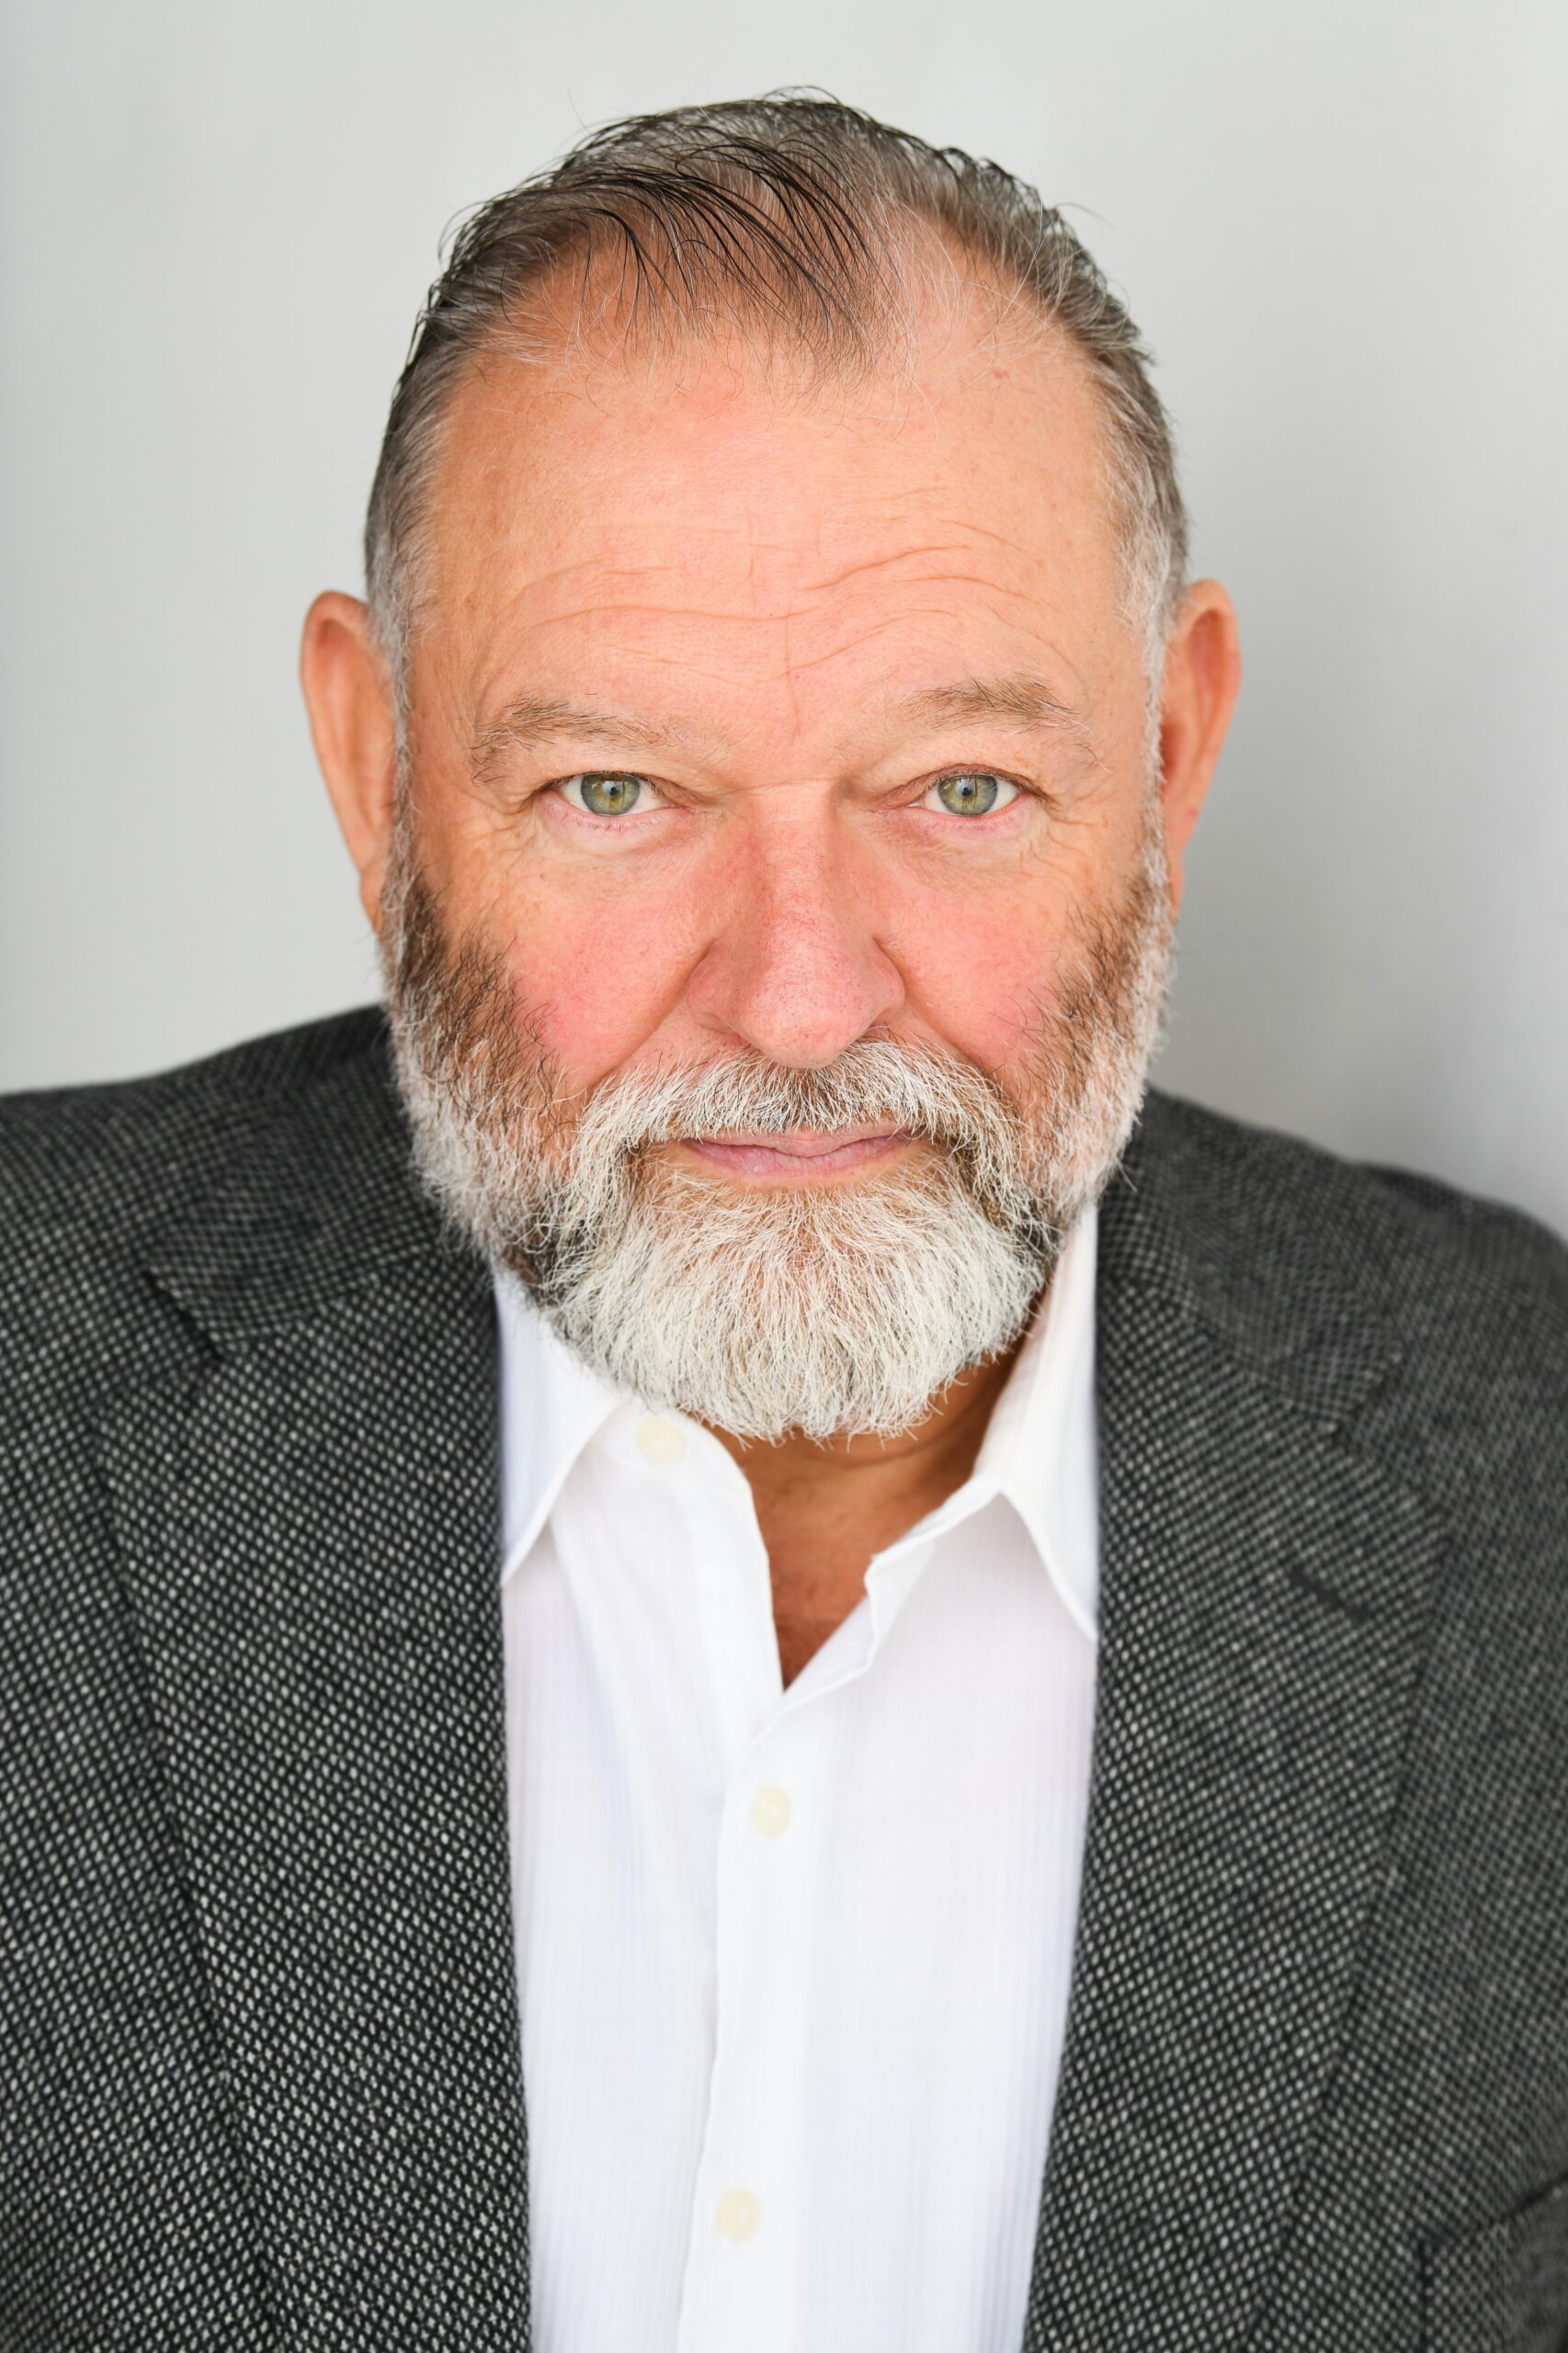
x=794, y=965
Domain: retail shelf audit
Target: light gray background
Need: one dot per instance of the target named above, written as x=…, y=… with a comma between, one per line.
x=1342, y=227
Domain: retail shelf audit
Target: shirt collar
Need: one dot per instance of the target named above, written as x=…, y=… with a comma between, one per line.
x=552, y=1405
x=1039, y=1451
x=1042, y=1447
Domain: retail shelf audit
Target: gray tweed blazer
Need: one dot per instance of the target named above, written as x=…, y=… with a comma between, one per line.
x=261, y=2074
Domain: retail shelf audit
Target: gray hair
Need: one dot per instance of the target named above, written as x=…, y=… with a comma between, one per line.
x=789, y=213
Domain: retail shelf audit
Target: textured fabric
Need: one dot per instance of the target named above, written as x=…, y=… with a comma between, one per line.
x=261, y=2073
x=740, y=1909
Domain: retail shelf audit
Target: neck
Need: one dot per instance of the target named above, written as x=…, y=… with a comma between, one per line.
x=826, y=1508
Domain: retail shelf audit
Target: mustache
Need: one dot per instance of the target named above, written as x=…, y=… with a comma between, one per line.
x=923, y=1091
x=928, y=1094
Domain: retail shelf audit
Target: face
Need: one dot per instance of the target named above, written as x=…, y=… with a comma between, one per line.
x=771, y=719
x=758, y=727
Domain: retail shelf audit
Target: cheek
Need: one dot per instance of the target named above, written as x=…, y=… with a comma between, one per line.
x=596, y=980
x=981, y=975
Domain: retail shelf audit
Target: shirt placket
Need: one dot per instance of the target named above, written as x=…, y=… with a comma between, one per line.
x=744, y=2252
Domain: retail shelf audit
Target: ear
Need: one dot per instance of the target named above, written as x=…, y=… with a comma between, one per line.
x=348, y=694
x=1203, y=675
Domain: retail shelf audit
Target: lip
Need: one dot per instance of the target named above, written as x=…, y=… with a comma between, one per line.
x=795, y=1156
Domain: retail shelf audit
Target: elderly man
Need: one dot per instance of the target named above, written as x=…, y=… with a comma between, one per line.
x=711, y=1650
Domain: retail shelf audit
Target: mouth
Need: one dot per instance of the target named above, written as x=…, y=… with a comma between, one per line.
x=796, y=1156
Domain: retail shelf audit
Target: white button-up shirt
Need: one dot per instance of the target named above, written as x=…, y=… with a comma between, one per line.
x=792, y=1964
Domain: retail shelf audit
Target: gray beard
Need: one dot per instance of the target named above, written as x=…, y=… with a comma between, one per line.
x=831, y=1311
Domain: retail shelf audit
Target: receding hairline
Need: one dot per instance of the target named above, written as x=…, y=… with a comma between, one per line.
x=801, y=227
x=597, y=296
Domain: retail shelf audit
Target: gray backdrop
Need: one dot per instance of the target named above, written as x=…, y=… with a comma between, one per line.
x=1342, y=225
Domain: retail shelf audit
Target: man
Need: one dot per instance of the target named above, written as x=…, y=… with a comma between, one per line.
x=711, y=1647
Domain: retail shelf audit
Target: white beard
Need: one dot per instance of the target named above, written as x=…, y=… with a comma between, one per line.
x=831, y=1309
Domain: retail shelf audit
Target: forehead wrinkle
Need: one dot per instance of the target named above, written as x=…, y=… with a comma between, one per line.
x=885, y=620
x=964, y=527
x=811, y=607
x=635, y=582
x=868, y=565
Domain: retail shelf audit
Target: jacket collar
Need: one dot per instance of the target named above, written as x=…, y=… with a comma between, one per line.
x=306, y=1501
x=1266, y=1589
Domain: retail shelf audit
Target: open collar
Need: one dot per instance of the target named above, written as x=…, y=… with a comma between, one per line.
x=1038, y=1451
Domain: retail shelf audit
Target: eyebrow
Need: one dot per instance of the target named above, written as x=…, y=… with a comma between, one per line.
x=539, y=719
x=1019, y=702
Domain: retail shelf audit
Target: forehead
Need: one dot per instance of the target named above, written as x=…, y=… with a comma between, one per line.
x=690, y=522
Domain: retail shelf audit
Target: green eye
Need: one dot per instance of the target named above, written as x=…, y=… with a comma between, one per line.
x=602, y=795
x=973, y=793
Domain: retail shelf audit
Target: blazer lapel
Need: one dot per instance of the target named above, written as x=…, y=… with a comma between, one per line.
x=1265, y=1592
x=307, y=1507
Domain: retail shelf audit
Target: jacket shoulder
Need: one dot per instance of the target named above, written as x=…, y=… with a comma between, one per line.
x=1416, y=1213
x=1472, y=1292
x=88, y=1173
x=133, y=1147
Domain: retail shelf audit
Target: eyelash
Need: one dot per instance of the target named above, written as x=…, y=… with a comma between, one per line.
x=563, y=785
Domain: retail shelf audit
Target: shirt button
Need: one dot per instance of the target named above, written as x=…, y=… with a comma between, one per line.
x=770, y=1811
x=739, y=2213
x=661, y=1441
